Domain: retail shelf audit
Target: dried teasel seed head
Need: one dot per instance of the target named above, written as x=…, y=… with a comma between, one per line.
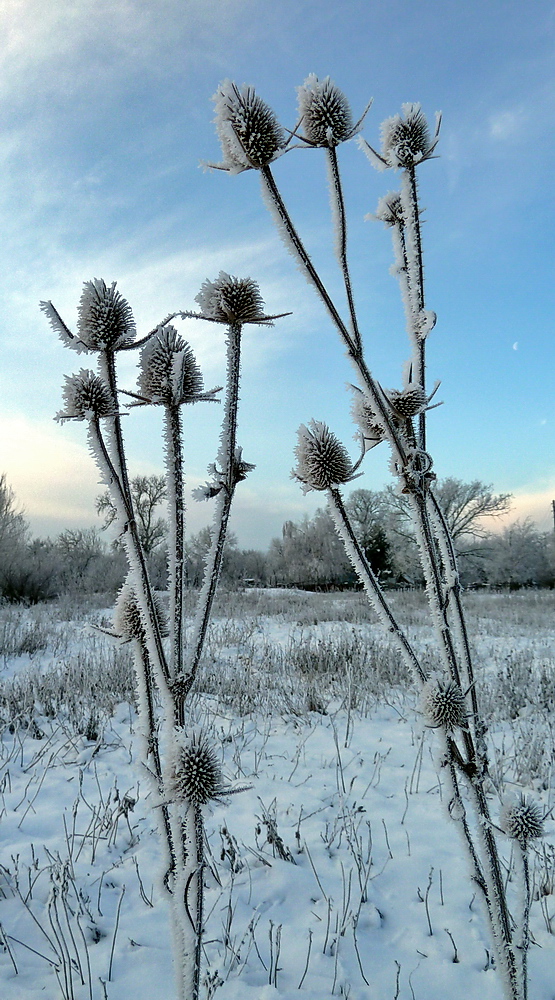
x=324, y=112
x=169, y=373
x=390, y=209
x=442, y=704
x=522, y=820
x=105, y=317
x=408, y=402
x=231, y=300
x=322, y=461
x=196, y=775
x=86, y=397
x=406, y=138
x=366, y=419
x=249, y=132
x=128, y=619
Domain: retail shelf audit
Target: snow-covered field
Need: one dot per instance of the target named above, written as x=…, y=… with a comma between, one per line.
x=337, y=873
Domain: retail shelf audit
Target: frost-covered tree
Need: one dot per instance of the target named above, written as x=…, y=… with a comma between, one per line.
x=147, y=493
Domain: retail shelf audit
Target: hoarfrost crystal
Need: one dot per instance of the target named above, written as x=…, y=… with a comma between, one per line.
x=324, y=112
x=105, y=317
x=231, y=300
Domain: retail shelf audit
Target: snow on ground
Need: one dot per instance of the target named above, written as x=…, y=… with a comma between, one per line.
x=337, y=873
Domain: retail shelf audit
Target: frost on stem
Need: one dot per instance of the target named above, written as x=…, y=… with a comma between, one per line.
x=86, y=397
x=521, y=819
x=231, y=300
x=324, y=113
x=169, y=374
x=248, y=130
x=322, y=461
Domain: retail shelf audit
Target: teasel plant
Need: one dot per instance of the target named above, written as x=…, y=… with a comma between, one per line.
x=252, y=139
x=182, y=764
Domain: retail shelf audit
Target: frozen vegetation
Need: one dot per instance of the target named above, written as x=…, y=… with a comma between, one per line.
x=333, y=873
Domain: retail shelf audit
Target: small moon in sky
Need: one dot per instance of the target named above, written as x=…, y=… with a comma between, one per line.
x=515, y=345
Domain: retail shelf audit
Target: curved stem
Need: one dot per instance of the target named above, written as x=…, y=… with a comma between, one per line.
x=337, y=191
x=371, y=585
x=176, y=511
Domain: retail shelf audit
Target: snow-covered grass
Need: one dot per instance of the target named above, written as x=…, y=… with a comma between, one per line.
x=336, y=873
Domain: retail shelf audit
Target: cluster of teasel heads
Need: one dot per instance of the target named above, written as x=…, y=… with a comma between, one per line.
x=252, y=139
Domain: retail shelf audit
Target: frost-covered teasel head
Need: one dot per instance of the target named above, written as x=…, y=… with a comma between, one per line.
x=86, y=397
x=249, y=132
x=322, y=461
x=231, y=300
x=195, y=774
x=390, y=210
x=169, y=374
x=442, y=703
x=406, y=138
x=324, y=112
x=522, y=820
x=105, y=318
x=365, y=417
x=408, y=402
x=128, y=621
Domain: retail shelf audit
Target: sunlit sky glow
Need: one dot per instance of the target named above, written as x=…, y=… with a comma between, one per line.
x=106, y=115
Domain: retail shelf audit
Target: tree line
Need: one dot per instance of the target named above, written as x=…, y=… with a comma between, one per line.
x=307, y=555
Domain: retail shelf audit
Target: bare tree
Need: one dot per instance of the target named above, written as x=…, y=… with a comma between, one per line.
x=463, y=506
x=147, y=493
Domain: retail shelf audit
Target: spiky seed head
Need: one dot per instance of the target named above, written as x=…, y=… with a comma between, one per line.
x=249, y=132
x=522, y=820
x=390, y=209
x=410, y=401
x=105, y=317
x=86, y=397
x=324, y=111
x=169, y=373
x=443, y=704
x=406, y=138
x=128, y=619
x=322, y=461
x=196, y=775
x=365, y=417
x=231, y=300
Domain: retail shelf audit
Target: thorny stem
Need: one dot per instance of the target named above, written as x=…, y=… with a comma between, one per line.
x=108, y=359
x=176, y=508
x=226, y=457
x=337, y=190
x=415, y=275
x=371, y=584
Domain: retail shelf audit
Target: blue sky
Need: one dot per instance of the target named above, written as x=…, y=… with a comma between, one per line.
x=106, y=113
